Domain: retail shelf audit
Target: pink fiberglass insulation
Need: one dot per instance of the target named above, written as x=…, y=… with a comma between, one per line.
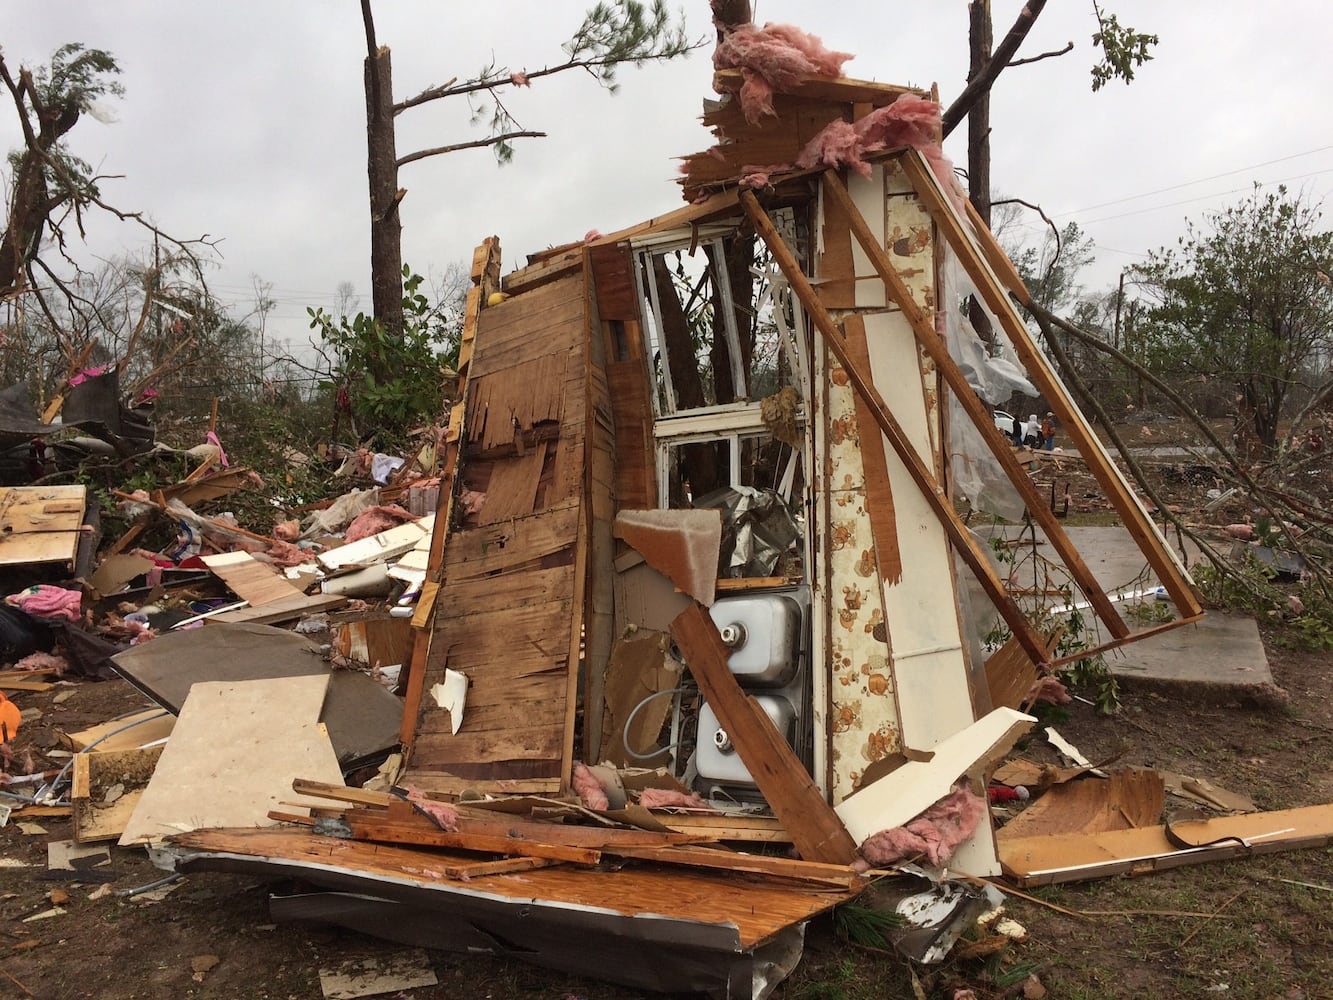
x=48, y=662
x=442, y=814
x=589, y=789
x=936, y=833
x=908, y=121
x=285, y=554
x=669, y=798
x=376, y=519
x=774, y=57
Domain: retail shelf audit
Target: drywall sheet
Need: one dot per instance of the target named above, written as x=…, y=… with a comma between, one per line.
x=232, y=757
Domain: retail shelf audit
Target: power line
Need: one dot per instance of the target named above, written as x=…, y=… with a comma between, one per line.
x=1201, y=180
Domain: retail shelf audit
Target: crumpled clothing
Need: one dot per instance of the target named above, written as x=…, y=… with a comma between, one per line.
x=383, y=466
x=48, y=602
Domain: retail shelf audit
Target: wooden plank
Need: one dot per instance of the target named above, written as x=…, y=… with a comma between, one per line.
x=823, y=88
x=283, y=610
x=791, y=793
x=934, y=494
x=879, y=491
x=388, y=832
x=343, y=793
x=1137, y=522
x=923, y=328
x=841, y=876
x=760, y=829
x=1074, y=857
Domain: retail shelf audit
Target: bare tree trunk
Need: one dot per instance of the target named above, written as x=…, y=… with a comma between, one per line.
x=978, y=139
x=981, y=83
x=386, y=229
x=730, y=14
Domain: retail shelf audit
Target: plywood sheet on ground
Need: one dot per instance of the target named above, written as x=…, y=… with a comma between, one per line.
x=40, y=523
x=1127, y=799
x=232, y=757
x=249, y=579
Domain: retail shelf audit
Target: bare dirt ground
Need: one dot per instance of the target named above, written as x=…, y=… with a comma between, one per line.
x=1250, y=930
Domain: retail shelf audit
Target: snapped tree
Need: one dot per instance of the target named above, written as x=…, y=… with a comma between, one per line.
x=611, y=35
x=52, y=186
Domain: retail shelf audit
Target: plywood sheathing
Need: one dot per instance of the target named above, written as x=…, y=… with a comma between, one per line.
x=816, y=832
x=683, y=544
x=232, y=756
x=751, y=910
x=515, y=635
x=40, y=524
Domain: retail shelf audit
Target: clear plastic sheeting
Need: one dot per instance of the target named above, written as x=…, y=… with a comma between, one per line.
x=977, y=474
x=992, y=371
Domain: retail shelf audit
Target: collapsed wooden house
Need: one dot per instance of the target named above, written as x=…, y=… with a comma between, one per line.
x=704, y=522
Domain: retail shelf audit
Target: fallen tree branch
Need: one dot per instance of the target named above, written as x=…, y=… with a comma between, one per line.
x=999, y=59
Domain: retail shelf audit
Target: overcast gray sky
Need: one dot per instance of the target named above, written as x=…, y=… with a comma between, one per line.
x=245, y=120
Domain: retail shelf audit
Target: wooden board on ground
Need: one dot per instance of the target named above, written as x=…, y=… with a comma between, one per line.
x=249, y=579
x=40, y=524
x=1075, y=857
x=148, y=726
x=282, y=610
x=232, y=757
x=1127, y=800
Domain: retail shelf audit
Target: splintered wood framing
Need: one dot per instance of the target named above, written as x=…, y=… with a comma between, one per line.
x=815, y=829
x=923, y=328
x=976, y=261
x=514, y=633
x=923, y=477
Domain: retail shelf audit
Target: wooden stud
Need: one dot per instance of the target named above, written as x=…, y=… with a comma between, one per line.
x=791, y=793
x=1135, y=518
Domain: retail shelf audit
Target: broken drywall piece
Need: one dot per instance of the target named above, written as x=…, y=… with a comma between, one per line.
x=67, y=856
x=683, y=544
x=451, y=695
x=375, y=976
x=117, y=570
x=916, y=785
